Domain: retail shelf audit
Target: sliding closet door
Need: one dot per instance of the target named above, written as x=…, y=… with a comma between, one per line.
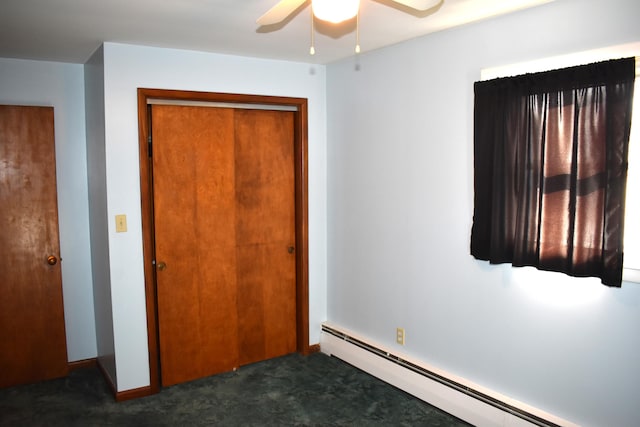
x=265, y=234
x=195, y=241
x=224, y=217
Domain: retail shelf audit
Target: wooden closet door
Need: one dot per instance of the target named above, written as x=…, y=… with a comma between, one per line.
x=195, y=240
x=224, y=216
x=32, y=331
x=265, y=215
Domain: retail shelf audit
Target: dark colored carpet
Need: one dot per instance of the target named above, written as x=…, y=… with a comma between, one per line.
x=294, y=390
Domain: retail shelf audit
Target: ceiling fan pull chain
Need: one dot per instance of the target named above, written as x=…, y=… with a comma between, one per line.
x=358, y=31
x=312, y=49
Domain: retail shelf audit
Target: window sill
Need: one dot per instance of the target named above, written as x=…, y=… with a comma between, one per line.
x=631, y=275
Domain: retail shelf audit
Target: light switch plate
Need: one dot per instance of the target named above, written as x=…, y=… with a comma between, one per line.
x=121, y=223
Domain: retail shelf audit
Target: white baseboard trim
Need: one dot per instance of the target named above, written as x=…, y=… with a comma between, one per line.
x=463, y=399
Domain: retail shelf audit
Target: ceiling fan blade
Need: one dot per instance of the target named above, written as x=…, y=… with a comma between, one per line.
x=418, y=4
x=280, y=12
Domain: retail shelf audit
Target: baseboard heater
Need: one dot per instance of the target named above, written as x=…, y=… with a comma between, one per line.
x=481, y=409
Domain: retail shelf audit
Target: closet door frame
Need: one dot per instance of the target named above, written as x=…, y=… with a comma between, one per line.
x=145, y=97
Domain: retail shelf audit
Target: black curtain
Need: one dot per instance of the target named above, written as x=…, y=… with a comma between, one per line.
x=550, y=168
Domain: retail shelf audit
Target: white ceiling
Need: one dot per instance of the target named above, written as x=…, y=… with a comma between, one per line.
x=71, y=30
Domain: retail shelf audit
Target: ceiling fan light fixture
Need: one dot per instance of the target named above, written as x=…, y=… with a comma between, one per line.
x=335, y=11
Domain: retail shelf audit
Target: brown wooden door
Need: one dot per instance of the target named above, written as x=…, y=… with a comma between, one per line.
x=224, y=225
x=265, y=227
x=32, y=331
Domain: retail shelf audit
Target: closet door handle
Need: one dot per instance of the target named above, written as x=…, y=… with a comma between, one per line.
x=52, y=260
x=162, y=266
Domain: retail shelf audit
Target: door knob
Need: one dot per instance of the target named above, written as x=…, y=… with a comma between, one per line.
x=290, y=249
x=52, y=260
x=162, y=266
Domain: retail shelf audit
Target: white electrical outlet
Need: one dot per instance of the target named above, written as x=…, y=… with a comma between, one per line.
x=400, y=336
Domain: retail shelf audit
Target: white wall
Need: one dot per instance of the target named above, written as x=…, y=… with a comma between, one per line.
x=61, y=86
x=97, y=178
x=127, y=68
x=400, y=206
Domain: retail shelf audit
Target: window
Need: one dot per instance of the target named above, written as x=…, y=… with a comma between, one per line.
x=631, y=271
x=549, y=186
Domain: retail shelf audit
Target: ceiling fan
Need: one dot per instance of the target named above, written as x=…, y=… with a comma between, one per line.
x=334, y=11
